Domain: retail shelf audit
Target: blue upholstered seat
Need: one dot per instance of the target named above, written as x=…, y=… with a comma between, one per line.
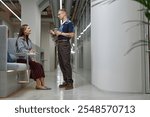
x=16, y=66
x=11, y=74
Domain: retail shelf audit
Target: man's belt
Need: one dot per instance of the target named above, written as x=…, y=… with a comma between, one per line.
x=62, y=40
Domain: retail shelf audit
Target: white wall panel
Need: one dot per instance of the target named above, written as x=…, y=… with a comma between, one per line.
x=111, y=69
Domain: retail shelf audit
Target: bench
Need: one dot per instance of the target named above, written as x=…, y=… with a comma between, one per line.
x=11, y=74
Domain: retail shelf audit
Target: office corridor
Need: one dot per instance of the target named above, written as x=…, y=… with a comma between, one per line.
x=98, y=50
x=83, y=90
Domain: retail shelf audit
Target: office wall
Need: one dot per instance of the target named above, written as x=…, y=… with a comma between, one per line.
x=12, y=29
x=48, y=46
x=30, y=14
x=110, y=40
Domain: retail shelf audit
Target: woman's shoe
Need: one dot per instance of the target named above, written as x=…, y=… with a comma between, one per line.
x=47, y=88
x=42, y=88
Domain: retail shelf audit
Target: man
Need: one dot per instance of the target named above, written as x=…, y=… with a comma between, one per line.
x=64, y=34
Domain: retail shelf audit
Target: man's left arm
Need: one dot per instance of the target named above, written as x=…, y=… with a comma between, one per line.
x=71, y=35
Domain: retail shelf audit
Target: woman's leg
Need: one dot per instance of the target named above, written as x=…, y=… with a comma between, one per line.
x=37, y=73
x=42, y=82
x=39, y=84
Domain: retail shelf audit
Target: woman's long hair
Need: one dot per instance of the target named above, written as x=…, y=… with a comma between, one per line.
x=22, y=29
x=21, y=33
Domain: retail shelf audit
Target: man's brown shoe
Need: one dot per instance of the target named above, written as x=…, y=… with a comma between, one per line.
x=63, y=85
x=69, y=86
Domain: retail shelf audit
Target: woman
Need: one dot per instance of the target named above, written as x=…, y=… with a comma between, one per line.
x=24, y=45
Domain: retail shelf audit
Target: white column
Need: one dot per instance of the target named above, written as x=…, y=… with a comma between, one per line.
x=30, y=14
x=111, y=69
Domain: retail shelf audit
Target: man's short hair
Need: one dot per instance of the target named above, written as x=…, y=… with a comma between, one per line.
x=64, y=10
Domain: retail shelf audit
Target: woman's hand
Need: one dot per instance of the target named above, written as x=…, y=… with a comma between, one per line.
x=32, y=51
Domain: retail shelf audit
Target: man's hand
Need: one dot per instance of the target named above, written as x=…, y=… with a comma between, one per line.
x=58, y=33
x=52, y=32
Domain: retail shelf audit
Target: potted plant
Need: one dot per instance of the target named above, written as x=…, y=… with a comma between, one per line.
x=146, y=11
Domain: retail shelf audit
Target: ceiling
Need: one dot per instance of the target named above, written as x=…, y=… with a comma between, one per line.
x=49, y=9
x=6, y=14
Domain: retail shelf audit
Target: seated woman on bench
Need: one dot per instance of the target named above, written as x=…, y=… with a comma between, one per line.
x=24, y=45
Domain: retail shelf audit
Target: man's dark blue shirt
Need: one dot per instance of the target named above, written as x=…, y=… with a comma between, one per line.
x=66, y=27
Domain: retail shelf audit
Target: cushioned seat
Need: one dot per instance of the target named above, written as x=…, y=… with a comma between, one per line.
x=16, y=66
x=12, y=53
x=10, y=81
